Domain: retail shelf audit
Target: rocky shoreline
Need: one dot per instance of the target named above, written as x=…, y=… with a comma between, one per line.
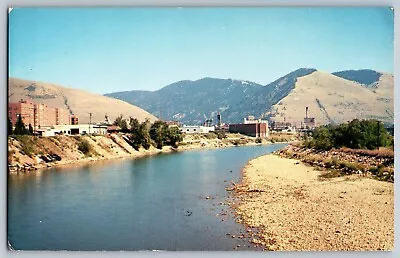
x=47, y=152
x=288, y=206
x=378, y=164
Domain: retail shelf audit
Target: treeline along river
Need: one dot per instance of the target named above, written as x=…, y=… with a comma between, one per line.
x=165, y=202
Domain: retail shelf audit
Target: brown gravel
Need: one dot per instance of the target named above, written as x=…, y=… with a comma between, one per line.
x=294, y=210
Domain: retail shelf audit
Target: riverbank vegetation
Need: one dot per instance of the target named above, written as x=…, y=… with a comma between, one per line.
x=145, y=134
x=19, y=128
x=357, y=134
x=378, y=164
x=357, y=147
x=28, y=152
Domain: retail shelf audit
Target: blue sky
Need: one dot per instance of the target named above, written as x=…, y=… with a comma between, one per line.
x=105, y=50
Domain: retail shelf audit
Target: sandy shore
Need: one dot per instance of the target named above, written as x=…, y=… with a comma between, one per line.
x=294, y=209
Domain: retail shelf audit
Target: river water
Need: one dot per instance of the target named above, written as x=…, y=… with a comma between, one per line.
x=153, y=203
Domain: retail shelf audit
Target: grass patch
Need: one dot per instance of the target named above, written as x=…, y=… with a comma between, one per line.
x=381, y=152
x=331, y=173
x=27, y=144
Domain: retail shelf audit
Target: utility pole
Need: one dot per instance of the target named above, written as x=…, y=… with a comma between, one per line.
x=90, y=121
x=378, y=136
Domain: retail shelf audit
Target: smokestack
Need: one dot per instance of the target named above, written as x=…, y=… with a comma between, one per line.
x=306, y=112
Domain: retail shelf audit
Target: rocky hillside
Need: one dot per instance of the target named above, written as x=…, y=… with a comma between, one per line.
x=331, y=98
x=78, y=102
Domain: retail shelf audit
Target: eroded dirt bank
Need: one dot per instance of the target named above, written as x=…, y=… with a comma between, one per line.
x=27, y=153
x=294, y=208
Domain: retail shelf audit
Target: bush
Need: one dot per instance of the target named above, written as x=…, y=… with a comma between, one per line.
x=84, y=146
x=364, y=134
x=221, y=135
x=258, y=140
x=27, y=150
x=373, y=170
x=210, y=135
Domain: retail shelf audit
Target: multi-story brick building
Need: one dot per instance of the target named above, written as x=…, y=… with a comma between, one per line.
x=25, y=109
x=38, y=114
x=251, y=127
x=62, y=116
x=40, y=111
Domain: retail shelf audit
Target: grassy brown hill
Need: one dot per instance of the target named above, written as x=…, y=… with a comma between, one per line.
x=332, y=99
x=78, y=102
x=336, y=98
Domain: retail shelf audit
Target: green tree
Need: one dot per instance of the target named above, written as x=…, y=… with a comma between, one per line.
x=135, y=136
x=322, y=138
x=133, y=124
x=158, y=133
x=174, y=136
x=9, y=126
x=357, y=134
x=20, y=127
x=121, y=122
x=144, y=134
x=118, y=120
x=30, y=130
x=124, y=126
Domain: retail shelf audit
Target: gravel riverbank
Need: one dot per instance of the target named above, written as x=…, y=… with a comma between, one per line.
x=295, y=209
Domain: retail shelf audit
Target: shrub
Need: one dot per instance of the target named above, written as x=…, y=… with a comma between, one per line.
x=332, y=162
x=210, y=135
x=27, y=149
x=373, y=170
x=84, y=146
x=221, y=135
x=258, y=140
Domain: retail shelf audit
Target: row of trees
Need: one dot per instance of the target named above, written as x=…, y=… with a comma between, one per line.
x=146, y=134
x=20, y=128
x=357, y=134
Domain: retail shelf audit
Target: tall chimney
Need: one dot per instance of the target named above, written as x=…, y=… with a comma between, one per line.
x=306, y=112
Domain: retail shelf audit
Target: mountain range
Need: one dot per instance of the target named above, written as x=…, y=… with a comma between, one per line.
x=331, y=98
x=78, y=102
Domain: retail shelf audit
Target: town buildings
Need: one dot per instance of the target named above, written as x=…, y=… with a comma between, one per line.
x=72, y=129
x=39, y=115
x=251, y=127
x=284, y=127
x=24, y=109
x=191, y=129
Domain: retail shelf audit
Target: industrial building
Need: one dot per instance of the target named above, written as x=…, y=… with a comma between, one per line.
x=192, y=129
x=309, y=122
x=284, y=127
x=251, y=127
x=72, y=129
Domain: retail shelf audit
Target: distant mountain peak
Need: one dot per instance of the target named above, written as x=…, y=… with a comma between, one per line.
x=190, y=101
x=365, y=77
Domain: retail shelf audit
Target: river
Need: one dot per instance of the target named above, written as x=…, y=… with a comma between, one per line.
x=152, y=203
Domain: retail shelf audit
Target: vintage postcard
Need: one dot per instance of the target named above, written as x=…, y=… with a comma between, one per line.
x=201, y=129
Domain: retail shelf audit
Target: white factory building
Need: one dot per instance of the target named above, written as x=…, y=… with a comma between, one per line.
x=192, y=129
x=72, y=129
